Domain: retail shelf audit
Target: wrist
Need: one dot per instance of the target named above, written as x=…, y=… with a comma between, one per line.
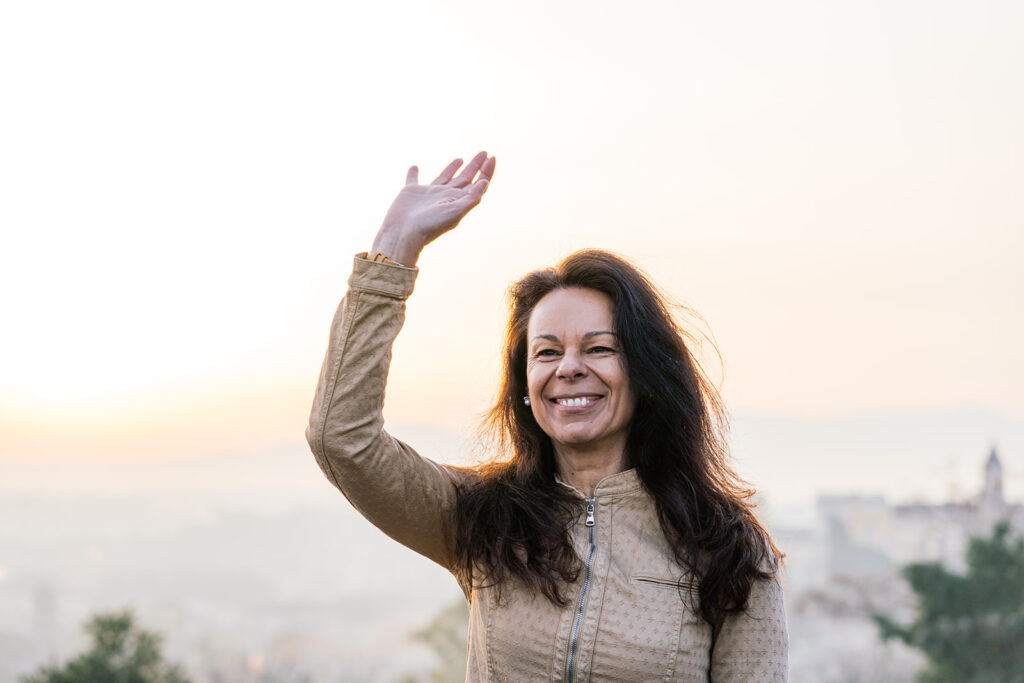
x=403, y=252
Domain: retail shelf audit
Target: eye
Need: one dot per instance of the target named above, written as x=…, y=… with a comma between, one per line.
x=546, y=353
x=600, y=349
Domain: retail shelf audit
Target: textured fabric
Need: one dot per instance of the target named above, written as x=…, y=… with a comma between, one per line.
x=633, y=614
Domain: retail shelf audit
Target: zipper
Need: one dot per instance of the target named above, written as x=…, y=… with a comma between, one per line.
x=574, y=637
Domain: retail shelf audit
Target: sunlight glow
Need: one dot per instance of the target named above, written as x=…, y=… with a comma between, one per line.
x=185, y=188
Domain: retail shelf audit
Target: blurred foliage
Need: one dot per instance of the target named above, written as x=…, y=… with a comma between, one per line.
x=970, y=627
x=121, y=653
x=447, y=636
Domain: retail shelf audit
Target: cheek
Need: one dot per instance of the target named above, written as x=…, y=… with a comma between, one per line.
x=626, y=396
x=531, y=381
x=536, y=375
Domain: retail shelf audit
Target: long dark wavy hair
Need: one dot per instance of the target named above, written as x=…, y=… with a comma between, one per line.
x=513, y=519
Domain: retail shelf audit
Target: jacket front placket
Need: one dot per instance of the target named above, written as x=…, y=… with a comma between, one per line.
x=593, y=534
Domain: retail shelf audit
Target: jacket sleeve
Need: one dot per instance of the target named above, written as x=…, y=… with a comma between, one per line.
x=754, y=645
x=408, y=497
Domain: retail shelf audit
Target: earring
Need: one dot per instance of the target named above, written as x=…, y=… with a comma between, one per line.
x=526, y=400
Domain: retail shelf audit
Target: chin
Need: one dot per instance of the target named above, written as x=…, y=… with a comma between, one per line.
x=579, y=440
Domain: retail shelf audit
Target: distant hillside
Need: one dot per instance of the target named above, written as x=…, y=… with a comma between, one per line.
x=789, y=460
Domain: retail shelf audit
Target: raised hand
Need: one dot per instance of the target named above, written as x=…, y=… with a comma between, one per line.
x=422, y=213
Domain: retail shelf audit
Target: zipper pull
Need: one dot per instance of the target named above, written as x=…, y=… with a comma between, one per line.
x=590, y=512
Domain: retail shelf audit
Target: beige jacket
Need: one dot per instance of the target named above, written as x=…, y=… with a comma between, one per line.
x=626, y=620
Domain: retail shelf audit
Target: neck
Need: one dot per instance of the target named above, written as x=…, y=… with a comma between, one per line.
x=584, y=468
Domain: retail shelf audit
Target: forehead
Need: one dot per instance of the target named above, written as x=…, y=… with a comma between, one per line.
x=571, y=311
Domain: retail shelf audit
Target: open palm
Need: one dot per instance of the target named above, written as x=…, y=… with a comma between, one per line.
x=422, y=213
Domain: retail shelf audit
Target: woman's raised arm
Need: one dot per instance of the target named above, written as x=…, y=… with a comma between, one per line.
x=407, y=496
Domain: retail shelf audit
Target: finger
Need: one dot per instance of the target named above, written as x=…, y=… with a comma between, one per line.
x=447, y=173
x=412, y=176
x=466, y=177
x=472, y=196
x=478, y=188
x=487, y=170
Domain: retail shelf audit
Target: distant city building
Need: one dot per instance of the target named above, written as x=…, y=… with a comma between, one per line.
x=868, y=537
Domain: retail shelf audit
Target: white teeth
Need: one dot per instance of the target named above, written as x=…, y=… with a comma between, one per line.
x=574, y=402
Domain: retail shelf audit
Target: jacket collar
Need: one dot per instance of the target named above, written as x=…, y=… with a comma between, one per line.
x=612, y=486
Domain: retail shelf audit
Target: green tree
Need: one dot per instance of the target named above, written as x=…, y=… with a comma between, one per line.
x=120, y=653
x=970, y=627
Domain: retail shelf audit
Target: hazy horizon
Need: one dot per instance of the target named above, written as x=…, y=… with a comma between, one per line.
x=791, y=461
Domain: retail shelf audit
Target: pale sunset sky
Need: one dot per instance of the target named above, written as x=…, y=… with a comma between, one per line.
x=837, y=188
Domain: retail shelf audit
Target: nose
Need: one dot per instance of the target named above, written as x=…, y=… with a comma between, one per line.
x=571, y=366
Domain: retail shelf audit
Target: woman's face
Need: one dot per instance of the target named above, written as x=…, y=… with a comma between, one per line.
x=575, y=372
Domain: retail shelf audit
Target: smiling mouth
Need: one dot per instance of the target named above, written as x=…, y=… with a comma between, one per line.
x=575, y=402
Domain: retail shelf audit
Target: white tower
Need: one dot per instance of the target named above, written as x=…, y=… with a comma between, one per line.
x=992, y=506
x=993, y=491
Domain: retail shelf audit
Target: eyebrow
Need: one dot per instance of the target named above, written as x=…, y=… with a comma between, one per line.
x=588, y=335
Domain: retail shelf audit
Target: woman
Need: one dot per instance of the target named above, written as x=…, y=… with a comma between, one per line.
x=613, y=542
